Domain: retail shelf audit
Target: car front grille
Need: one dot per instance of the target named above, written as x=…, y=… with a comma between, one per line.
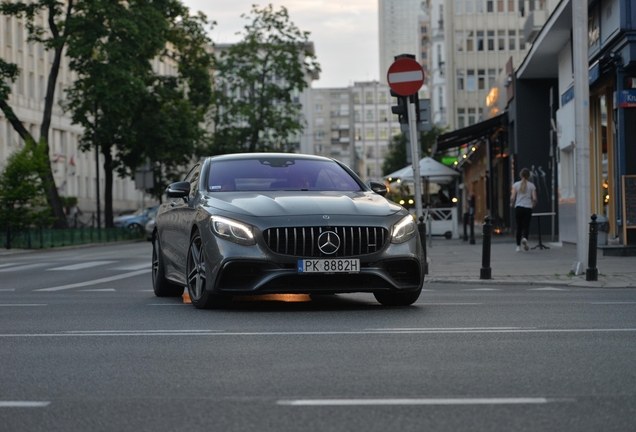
x=303, y=241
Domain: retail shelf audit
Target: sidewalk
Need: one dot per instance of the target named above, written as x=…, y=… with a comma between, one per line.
x=457, y=261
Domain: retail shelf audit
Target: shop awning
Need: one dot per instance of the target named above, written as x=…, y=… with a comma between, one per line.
x=459, y=137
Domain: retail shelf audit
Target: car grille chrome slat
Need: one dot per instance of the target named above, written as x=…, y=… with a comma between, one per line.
x=302, y=241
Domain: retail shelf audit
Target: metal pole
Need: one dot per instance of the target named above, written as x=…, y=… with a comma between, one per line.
x=99, y=217
x=415, y=152
x=591, y=274
x=421, y=227
x=581, y=125
x=486, y=271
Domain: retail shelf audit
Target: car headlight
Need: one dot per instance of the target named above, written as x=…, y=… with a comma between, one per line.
x=404, y=230
x=232, y=230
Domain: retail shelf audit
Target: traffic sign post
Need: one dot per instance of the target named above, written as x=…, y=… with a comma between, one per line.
x=405, y=77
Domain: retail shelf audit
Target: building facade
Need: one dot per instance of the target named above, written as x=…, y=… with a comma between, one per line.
x=75, y=172
x=332, y=124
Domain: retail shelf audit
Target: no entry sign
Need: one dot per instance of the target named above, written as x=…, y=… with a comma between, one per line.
x=405, y=76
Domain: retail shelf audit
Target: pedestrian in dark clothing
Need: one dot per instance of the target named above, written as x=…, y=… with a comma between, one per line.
x=523, y=199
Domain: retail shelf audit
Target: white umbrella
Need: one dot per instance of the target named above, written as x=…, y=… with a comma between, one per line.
x=430, y=169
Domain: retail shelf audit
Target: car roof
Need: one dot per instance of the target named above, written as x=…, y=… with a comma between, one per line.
x=243, y=156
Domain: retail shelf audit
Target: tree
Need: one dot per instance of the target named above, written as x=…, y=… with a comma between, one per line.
x=22, y=190
x=130, y=112
x=396, y=155
x=53, y=38
x=258, y=78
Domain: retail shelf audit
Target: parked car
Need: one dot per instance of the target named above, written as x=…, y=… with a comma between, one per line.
x=136, y=221
x=283, y=223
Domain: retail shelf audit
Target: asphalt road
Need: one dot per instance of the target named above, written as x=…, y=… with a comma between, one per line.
x=85, y=346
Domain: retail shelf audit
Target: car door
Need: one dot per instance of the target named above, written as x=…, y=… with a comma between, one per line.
x=177, y=222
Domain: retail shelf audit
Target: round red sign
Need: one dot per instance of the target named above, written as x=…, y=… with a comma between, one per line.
x=405, y=76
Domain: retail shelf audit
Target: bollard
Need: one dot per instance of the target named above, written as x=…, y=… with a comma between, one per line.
x=591, y=274
x=486, y=271
x=471, y=222
x=466, y=226
x=421, y=228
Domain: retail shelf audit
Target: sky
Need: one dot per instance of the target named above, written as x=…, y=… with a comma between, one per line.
x=344, y=32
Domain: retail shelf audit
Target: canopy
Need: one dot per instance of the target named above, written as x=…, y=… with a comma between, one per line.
x=430, y=169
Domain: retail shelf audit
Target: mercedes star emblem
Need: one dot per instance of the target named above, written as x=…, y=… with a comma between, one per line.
x=328, y=242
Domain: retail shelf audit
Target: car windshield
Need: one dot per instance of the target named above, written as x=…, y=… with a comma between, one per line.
x=275, y=173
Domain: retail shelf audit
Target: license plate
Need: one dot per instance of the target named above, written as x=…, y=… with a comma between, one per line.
x=336, y=265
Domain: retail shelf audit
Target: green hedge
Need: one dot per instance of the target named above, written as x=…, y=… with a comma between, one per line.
x=39, y=238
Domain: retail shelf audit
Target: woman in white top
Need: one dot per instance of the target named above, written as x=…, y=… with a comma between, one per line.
x=523, y=199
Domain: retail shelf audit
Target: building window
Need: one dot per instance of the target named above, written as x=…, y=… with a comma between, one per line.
x=470, y=40
x=472, y=118
x=382, y=98
x=511, y=5
x=481, y=79
x=383, y=115
x=512, y=37
x=492, y=77
x=479, y=6
x=357, y=116
x=500, y=6
x=469, y=6
x=383, y=134
x=480, y=40
x=358, y=134
x=459, y=41
x=458, y=7
x=461, y=118
x=369, y=115
x=490, y=6
x=470, y=80
x=522, y=41
x=368, y=97
x=491, y=40
x=356, y=98
x=318, y=107
x=369, y=133
x=460, y=80
x=320, y=121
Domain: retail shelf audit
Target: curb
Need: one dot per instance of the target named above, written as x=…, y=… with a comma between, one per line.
x=575, y=284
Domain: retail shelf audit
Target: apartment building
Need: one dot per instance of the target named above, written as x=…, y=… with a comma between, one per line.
x=75, y=172
x=481, y=36
x=331, y=114
x=403, y=29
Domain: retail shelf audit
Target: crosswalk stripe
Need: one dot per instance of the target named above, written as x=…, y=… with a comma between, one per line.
x=23, y=267
x=145, y=265
x=96, y=281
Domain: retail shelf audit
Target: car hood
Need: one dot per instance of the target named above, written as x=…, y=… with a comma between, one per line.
x=301, y=203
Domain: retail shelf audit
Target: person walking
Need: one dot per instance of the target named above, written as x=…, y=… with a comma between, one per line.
x=523, y=199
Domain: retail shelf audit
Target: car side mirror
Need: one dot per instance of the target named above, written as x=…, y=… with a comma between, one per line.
x=178, y=190
x=379, y=188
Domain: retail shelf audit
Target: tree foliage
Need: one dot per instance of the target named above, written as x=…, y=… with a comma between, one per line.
x=22, y=191
x=396, y=154
x=130, y=112
x=259, y=80
x=53, y=37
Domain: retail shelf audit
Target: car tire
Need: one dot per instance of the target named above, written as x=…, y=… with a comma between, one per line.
x=397, y=298
x=160, y=285
x=197, y=283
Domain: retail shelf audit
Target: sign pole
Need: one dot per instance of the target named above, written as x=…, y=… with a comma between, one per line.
x=415, y=152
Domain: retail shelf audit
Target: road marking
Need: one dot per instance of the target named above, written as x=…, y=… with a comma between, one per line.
x=23, y=267
x=7, y=289
x=451, y=304
x=7, y=265
x=548, y=289
x=146, y=265
x=612, y=303
x=96, y=281
x=482, y=289
x=22, y=304
x=433, y=401
x=23, y=404
x=81, y=266
x=302, y=333
x=430, y=329
x=99, y=290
